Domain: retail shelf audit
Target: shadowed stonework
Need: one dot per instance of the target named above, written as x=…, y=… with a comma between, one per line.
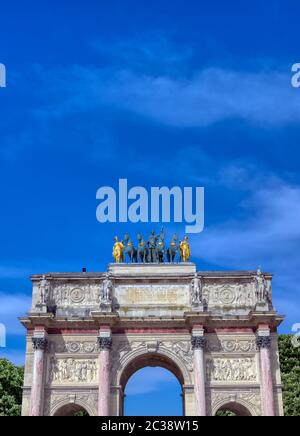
x=87, y=333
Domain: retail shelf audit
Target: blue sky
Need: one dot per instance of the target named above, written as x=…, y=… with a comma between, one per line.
x=172, y=93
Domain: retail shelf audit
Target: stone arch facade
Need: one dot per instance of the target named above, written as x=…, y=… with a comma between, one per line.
x=129, y=357
x=240, y=407
x=223, y=352
x=63, y=406
x=147, y=356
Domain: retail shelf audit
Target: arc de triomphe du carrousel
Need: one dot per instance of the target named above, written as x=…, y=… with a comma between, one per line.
x=216, y=331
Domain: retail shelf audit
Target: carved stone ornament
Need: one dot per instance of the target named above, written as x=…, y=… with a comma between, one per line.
x=224, y=369
x=263, y=341
x=182, y=350
x=231, y=345
x=72, y=370
x=105, y=343
x=251, y=399
x=39, y=343
x=70, y=294
x=79, y=347
x=198, y=342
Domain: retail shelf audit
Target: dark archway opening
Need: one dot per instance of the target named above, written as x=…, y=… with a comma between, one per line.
x=71, y=410
x=233, y=409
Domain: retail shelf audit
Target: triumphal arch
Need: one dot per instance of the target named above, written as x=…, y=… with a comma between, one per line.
x=216, y=331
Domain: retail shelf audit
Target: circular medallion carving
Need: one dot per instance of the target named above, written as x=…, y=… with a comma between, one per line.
x=88, y=347
x=74, y=347
x=227, y=296
x=77, y=295
x=230, y=346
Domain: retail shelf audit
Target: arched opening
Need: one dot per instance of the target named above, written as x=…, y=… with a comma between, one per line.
x=152, y=386
x=71, y=410
x=232, y=409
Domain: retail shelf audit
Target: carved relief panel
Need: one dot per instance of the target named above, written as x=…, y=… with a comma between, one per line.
x=73, y=346
x=228, y=344
x=231, y=296
x=225, y=369
x=72, y=294
x=71, y=370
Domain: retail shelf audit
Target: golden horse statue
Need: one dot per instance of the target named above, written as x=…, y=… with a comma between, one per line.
x=118, y=249
x=185, y=250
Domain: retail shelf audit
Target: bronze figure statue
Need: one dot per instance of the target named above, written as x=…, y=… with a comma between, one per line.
x=185, y=250
x=173, y=249
x=129, y=249
x=142, y=251
x=118, y=250
x=153, y=250
x=161, y=246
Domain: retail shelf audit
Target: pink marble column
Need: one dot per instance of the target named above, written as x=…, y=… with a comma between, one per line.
x=37, y=386
x=198, y=343
x=264, y=343
x=104, y=376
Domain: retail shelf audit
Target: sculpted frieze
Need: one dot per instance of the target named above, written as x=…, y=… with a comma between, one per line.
x=231, y=369
x=232, y=295
x=76, y=347
x=71, y=294
x=231, y=345
x=71, y=370
x=181, y=349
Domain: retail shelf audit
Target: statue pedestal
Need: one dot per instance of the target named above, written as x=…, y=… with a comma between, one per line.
x=105, y=307
x=262, y=306
x=152, y=269
x=197, y=307
x=41, y=307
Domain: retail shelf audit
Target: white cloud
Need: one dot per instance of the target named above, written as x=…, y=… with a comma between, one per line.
x=270, y=234
x=212, y=95
x=269, y=237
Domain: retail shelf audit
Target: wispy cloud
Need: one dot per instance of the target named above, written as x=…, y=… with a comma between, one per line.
x=268, y=236
x=152, y=53
x=151, y=78
x=212, y=95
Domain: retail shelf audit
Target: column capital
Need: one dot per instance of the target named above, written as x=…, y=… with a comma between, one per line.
x=263, y=341
x=198, y=342
x=39, y=343
x=105, y=342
